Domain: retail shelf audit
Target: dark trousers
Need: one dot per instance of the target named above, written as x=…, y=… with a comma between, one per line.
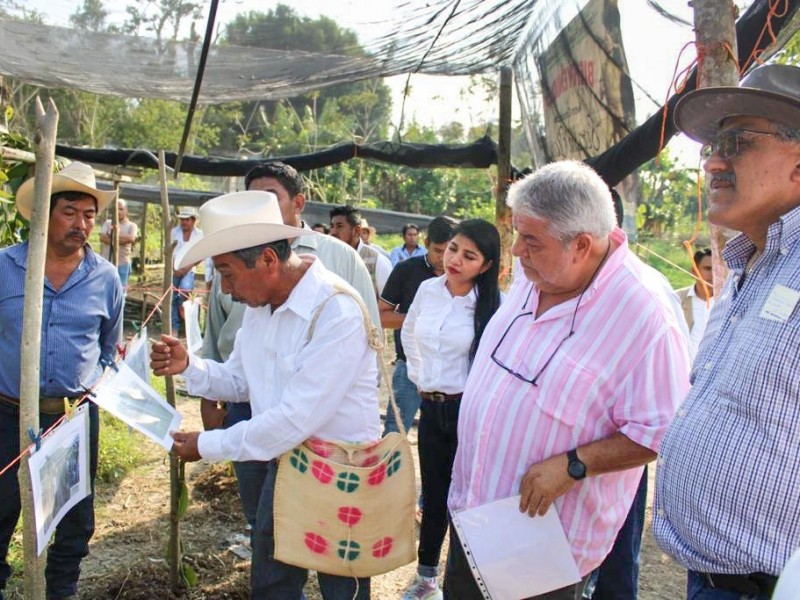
x=249, y=474
x=459, y=584
x=71, y=540
x=273, y=580
x=437, y=451
x=618, y=577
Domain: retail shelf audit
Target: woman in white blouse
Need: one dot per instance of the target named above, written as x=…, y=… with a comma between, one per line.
x=440, y=336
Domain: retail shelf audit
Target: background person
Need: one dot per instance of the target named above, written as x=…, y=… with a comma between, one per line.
x=368, y=233
x=183, y=278
x=396, y=299
x=128, y=232
x=346, y=226
x=440, y=335
x=410, y=246
x=697, y=300
x=82, y=321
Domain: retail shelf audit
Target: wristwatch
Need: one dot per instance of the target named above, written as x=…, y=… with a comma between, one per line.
x=575, y=467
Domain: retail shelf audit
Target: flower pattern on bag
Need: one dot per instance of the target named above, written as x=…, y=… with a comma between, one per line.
x=322, y=471
x=350, y=515
x=377, y=475
x=349, y=550
x=348, y=482
x=316, y=543
x=382, y=547
x=394, y=464
x=299, y=460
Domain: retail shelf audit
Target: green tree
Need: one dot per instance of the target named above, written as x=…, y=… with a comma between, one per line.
x=667, y=193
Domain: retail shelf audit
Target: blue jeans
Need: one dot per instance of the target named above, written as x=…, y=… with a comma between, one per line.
x=618, y=577
x=124, y=275
x=697, y=588
x=71, y=540
x=406, y=396
x=183, y=283
x=271, y=579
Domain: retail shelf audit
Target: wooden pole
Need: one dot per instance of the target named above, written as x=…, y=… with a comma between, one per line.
x=503, y=212
x=175, y=479
x=115, y=222
x=715, y=33
x=143, y=241
x=45, y=140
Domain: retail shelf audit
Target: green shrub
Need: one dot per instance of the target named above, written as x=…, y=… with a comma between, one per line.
x=119, y=449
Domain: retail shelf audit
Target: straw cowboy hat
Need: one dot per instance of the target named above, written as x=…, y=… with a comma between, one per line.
x=367, y=226
x=237, y=221
x=75, y=177
x=768, y=91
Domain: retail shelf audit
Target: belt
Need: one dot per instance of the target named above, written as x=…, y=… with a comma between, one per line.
x=439, y=396
x=752, y=583
x=48, y=406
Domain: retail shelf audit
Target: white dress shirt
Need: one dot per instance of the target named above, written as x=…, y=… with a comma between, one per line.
x=437, y=335
x=700, y=311
x=325, y=387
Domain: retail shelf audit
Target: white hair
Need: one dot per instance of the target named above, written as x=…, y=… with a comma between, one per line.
x=121, y=203
x=570, y=196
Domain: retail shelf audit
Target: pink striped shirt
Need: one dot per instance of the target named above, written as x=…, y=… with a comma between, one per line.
x=624, y=370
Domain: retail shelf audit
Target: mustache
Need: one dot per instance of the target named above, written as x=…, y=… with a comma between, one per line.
x=726, y=177
x=77, y=233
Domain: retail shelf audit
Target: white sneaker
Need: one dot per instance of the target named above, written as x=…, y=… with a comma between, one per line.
x=423, y=588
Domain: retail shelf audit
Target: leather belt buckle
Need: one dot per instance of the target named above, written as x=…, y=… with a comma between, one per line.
x=438, y=397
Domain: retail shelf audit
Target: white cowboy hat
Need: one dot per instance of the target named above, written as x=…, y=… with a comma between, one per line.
x=75, y=177
x=768, y=91
x=188, y=212
x=237, y=221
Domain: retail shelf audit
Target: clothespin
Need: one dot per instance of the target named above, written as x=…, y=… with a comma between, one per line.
x=88, y=392
x=121, y=350
x=36, y=439
x=69, y=408
x=110, y=364
x=137, y=328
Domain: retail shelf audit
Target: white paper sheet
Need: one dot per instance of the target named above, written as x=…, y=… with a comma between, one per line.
x=130, y=399
x=137, y=355
x=59, y=473
x=512, y=555
x=191, y=314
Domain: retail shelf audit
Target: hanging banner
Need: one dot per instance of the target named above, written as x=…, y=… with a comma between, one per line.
x=577, y=96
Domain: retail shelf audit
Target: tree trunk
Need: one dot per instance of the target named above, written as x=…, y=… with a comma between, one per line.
x=715, y=27
x=502, y=211
x=45, y=140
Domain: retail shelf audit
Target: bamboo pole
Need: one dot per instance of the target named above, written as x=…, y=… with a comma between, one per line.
x=175, y=478
x=502, y=211
x=143, y=241
x=45, y=140
x=715, y=34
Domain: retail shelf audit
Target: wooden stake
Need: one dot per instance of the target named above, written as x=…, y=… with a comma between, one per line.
x=502, y=211
x=45, y=140
x=175, y=478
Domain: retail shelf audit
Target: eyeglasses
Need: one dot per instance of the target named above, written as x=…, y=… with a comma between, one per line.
x=729, y=143
x=533, y=381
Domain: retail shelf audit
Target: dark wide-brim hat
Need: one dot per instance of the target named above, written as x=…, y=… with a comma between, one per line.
x=769, y=91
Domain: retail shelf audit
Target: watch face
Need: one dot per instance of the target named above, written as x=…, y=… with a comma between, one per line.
x=576, y=469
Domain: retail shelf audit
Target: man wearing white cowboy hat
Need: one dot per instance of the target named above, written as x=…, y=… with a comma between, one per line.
x=300, y=385
x=727, y=494
x=183, y=278
x=81, y=321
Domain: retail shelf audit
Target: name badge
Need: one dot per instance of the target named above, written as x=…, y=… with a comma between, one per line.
x=780, y=304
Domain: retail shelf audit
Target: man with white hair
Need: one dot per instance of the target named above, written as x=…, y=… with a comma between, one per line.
x=576, y=378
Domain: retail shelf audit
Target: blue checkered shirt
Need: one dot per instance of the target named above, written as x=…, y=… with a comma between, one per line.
x=728, y=479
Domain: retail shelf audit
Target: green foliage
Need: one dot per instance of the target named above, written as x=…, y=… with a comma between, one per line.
x=667, y=194
x=119, y=450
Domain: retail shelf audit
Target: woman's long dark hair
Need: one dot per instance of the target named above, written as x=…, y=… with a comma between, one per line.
x=486, y=237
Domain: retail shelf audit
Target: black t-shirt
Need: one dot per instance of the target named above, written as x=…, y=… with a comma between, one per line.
x=402, y=286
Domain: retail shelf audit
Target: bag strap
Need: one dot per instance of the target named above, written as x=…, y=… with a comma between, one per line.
x=373, y=339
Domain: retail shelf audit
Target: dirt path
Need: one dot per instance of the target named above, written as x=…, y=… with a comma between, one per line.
x=129, y=546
